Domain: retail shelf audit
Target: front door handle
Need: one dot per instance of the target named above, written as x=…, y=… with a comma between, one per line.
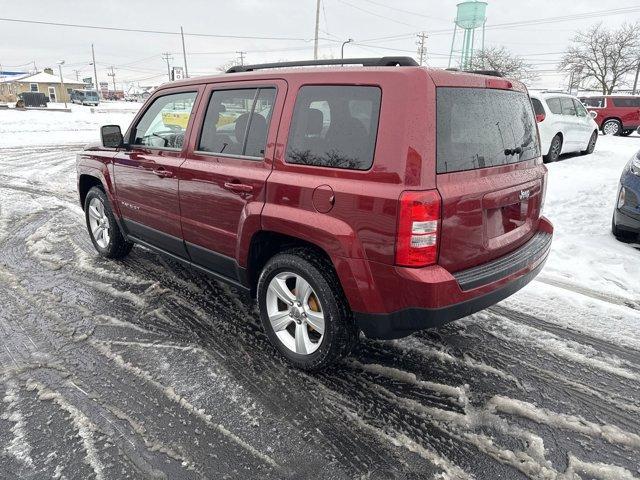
x=163, y=173
x=238, y=187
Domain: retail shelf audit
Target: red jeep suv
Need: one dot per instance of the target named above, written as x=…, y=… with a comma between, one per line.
x=384, y=198
x=615, y=115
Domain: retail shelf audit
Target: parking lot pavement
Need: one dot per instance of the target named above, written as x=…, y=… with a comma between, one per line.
x=144, y=369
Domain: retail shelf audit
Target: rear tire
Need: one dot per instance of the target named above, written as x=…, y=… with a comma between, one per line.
x=554, y=149
x=105, y=234
x=591, y=146
x=612, y=127
x=287, y=285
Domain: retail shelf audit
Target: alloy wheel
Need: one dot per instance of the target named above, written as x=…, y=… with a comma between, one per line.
x=611, y=128
x=295, y=313
x=99, y=223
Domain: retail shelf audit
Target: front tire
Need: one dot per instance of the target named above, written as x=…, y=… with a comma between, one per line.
x=591, y=146
x=554, y=149
x=626, y=133
x=304, y=311
x=612, y=127
x=103, y=228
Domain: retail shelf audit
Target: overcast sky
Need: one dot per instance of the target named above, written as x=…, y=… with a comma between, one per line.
x=137, y=56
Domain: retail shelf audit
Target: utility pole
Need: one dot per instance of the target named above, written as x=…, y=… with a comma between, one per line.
x=184, y=54
x=241, y=54
x=95, y=72
x=315, y=38
x=112, y=74
x=167, y=56
x=635, y=82
x=422, y=50
x=63, y=93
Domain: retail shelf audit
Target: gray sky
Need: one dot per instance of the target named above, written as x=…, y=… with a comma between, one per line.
x=137, y=56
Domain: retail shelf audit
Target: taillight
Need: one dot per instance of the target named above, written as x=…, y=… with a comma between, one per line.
x=418, y=228
x=540, y=117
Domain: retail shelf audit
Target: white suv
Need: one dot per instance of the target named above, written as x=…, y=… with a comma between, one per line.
x=565, y=125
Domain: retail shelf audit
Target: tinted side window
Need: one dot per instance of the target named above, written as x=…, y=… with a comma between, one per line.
x=335, y=126
x=164, y=123
x=568, y=108
x=537, y=106
x=626, y=102
x=554, y=105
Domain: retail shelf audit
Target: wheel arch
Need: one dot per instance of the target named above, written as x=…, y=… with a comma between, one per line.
x=610, y=118
x=265, y=244
x=86, y=182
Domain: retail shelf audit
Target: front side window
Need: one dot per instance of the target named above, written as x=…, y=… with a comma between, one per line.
x=568, y=108
x=580, y=110
x=237, y=122
x=483, y=127
x=335, y=126
x=554, y=106
x=594, y=102
x=165, y=122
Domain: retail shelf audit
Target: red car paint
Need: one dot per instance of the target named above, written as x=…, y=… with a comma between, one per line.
x=209, y=210
x=625, y=109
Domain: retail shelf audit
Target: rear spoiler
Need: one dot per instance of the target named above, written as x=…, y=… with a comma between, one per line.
x=491, y=73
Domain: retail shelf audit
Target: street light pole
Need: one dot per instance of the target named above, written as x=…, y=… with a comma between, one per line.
x=315, y=37
x=62, y=89
x=342, y=48
x=635, y=82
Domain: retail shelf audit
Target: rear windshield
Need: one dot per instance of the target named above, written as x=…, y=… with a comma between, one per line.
x=481, y=127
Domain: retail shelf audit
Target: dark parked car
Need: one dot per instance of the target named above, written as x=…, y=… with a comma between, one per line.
x=615, y=115
x=626, y=216
x=385, y=198
x=33, y=99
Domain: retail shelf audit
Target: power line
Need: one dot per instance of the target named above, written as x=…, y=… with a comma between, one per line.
x=157, y=32
x=376, y=14
x=406, y=11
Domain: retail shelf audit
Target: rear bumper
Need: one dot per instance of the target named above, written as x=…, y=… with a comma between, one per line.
x=429, y=297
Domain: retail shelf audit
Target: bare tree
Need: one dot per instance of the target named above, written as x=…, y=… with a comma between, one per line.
x=502, y=60
x=228, y=64
x=605, y=56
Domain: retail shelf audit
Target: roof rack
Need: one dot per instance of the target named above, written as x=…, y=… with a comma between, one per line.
x=365, y=62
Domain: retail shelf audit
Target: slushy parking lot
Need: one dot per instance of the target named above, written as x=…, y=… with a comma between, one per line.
x=145, y=369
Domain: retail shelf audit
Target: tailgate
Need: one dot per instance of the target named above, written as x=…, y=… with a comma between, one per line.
x=490, y=176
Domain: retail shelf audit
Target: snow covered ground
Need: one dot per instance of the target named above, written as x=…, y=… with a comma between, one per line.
x=143, y=369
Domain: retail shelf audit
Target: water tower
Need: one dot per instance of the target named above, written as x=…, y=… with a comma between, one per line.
x=471, y=15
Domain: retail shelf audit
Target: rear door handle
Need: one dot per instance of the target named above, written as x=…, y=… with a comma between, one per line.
x=238, y=187
x=163, y=173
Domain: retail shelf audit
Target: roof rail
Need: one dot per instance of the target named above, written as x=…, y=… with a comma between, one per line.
x=365, y=62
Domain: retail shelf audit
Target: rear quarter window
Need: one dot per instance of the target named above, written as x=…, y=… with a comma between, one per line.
x=481, y=127
x=537, y=106
x=626, y=102
x=335, y=126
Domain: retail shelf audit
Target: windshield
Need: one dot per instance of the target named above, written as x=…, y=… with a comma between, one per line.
x=91, y=94
x=481, y=127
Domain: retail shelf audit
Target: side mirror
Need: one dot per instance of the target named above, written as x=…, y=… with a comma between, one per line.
x=111, y=136
x=593, y=114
